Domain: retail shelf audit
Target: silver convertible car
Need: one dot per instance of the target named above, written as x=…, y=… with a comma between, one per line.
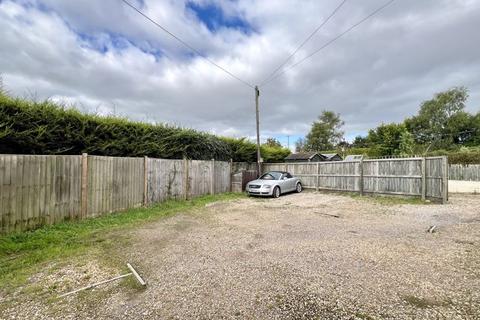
x=273, y=184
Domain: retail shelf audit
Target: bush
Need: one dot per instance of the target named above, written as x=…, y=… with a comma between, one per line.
x=47, y=128
x=274, y=154
x=462, y=156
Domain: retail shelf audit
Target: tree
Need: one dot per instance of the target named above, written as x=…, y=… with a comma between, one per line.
x=475, y=128
x=360, y=142
x=385, y=139
x=407, y=144
x=441, y=119
x=272, y=142
x=300, y=145
x=274, y=154
x=326, y=133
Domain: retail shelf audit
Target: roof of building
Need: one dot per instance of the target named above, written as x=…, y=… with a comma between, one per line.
x=330, y=155
x=354, y=157
x=303, y=156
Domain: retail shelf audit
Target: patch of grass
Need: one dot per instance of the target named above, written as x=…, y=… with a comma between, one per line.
x=364, y=316
x=389, y=200
x=21, y=254
x=423, y=303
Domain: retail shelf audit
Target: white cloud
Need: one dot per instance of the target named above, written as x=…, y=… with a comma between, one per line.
x=108, y=59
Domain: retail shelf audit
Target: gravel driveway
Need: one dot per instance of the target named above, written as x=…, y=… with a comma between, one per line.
x=302, y=256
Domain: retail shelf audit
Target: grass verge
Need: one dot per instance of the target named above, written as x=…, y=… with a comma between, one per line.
x=21, y=254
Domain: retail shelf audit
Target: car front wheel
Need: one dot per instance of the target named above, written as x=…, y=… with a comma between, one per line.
x=276, y=192
x=299, y=187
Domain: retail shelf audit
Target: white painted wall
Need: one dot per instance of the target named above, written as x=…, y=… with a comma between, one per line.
x=458, y=186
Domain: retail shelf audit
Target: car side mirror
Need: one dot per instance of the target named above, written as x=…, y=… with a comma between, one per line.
x=285, y=178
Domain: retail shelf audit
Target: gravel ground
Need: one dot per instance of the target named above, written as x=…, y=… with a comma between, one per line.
x=302, y=256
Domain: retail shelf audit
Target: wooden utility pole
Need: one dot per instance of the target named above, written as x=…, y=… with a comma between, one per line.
x=257, y=94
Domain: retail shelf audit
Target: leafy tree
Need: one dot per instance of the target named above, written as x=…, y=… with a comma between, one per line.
x=272, y=142
x=326, y=133
x=274, y=154
x=241, y=149
x=441, y=120
x=360, y=142
x=385, y=139
x=475, y=130
x=407, y=144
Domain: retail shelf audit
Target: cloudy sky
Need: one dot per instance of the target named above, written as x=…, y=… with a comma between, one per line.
x=104, y=57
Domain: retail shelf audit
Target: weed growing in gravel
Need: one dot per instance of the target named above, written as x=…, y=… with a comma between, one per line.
x=21, y=254
x=423, y=303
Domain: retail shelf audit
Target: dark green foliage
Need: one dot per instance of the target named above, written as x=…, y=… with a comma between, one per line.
x=46, y=128
x=386, y=139
x=441, y=121
x=462, y=156
x=242, y=150
x=360, y=142
x=274, y=154
x=326, y=132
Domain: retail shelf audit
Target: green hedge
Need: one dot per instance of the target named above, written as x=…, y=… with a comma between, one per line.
x=46, y=128
x=462, y=156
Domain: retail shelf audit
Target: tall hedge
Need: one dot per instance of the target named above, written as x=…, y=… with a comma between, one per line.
x=461, y=156
x=47, y=128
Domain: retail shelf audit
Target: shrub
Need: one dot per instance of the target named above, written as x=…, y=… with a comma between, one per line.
x=48, y=128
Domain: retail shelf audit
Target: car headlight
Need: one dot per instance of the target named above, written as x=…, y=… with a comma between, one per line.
x=267, y=186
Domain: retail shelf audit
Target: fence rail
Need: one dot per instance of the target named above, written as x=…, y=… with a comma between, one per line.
x=38, y=190
x=469, y=172
x=423, y=177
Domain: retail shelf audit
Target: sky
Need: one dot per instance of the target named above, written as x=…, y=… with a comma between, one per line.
x=105, y=58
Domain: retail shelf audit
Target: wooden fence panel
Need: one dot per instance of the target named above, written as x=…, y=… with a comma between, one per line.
x=393, y=176
x=166, y=179
x=272, y=167
x=200, y=177
x=397, y=176
x=243, y=166
x=114, y=184
x=470, y=172
x=222, y=177
x=305, y=171
x=339, y=175
x=38, y=190
x=434, y=177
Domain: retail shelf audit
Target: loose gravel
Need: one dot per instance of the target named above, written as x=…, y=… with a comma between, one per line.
x=302, y=256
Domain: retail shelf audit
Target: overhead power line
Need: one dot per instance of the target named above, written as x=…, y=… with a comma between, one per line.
x=185, y=44
x=304, y=42
x=332, y=40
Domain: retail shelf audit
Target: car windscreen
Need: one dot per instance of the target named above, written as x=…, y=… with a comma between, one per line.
x=271, y=176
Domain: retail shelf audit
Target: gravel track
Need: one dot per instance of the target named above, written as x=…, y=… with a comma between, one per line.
x=302, y=256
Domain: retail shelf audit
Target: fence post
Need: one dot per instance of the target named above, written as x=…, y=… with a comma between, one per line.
x=212, y=184
x=231, y=174
x=445, y=180
x=361, y=177
x=84, y=203
x=424, y=180
x=317, y=185
x=145, y=180
x=186, y=178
